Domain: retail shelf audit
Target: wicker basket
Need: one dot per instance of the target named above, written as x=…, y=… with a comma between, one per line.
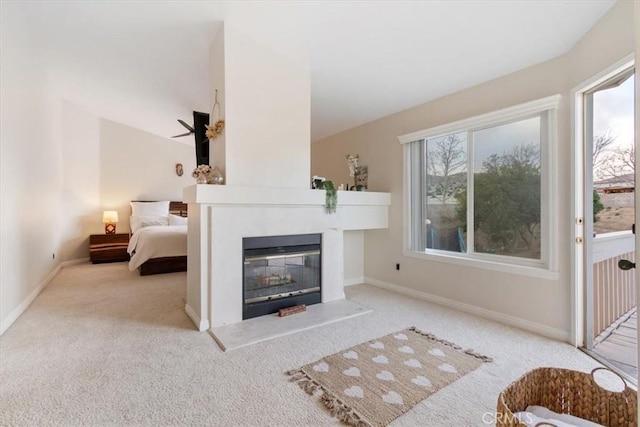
x=567, y=392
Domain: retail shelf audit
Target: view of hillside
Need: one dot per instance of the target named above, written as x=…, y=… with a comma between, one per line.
x=618, y=213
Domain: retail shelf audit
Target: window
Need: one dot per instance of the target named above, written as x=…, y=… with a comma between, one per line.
x=482, y=189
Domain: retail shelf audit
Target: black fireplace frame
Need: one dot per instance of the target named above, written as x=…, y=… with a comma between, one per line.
x=280, y=243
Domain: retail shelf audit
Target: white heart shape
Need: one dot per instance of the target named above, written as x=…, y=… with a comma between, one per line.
x=354, y=391
x=445, y=367
x=413, y=363
x=321, y=367
x=406, y=349
x=385, y=376
x=421, y=381
x=352, y=372
x=401, y=337
x=350, y=355
x=437, y=352
x=393, y=398
x=381, y=359
x=378, y=345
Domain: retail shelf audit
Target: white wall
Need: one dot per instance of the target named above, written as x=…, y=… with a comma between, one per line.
x=57, y=181
x=105, y=165
x=136, y=165
x=80, y=198
x=353, y=257
x=61, y=166
x=267, y=114
x=30, y=181
x=540, y=304
x=217, y=153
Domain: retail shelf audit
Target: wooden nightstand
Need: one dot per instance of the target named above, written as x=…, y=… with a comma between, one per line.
x=108, y=247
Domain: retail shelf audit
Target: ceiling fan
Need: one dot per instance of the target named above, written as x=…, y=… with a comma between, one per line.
x=199, y=129
x=186, y=125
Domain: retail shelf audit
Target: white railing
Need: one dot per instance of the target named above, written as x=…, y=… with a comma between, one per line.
x=614, y=290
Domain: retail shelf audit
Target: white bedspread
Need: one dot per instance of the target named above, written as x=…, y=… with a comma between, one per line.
x=157, y=241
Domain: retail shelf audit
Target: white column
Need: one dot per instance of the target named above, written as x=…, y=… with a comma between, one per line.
x=197, y=266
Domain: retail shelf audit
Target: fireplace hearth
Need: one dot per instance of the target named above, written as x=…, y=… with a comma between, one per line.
x=280, y=271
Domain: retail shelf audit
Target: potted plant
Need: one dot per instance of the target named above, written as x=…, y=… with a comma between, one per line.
x=331, y=200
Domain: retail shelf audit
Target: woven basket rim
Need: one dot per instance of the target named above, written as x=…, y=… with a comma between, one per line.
x=573, y=378
x=572, y=371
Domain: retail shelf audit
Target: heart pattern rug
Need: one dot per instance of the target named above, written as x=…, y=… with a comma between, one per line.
x=373, y=383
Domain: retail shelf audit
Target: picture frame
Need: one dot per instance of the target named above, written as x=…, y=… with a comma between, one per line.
x=362, y=177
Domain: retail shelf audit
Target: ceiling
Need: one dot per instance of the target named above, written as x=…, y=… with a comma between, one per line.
x=145, y=64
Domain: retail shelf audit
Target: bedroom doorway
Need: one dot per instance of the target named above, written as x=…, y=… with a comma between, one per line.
x=609, y=278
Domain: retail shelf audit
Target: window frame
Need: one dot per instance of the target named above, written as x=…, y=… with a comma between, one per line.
x=546, y=266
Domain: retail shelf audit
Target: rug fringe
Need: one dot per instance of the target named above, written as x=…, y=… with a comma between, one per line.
x=342, y=411
x=336, y=407
x=468, y=351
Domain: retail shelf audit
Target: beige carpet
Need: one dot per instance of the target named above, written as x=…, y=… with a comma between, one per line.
x=103, y=346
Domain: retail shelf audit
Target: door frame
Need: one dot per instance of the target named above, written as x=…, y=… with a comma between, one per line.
x=579, y=209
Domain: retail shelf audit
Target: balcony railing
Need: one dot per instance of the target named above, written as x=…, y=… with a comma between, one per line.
x=614, y=290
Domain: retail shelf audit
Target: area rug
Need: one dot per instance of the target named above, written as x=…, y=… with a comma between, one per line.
x=373, y=383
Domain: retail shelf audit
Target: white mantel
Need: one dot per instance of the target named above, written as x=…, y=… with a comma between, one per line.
x=221, y=216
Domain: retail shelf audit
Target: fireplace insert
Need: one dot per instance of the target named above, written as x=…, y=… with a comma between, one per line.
x=279, y=272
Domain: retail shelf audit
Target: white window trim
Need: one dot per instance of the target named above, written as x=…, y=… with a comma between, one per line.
x=453, y=258
x=489, y=119
x=546, y=268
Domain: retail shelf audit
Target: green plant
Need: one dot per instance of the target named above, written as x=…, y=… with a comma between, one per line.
x=331, y=200
x=597, y=205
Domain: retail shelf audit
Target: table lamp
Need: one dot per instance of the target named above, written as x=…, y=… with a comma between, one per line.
x=110, y=218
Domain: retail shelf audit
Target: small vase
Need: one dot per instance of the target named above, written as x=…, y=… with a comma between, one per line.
x=201, y=179
x=215, y=177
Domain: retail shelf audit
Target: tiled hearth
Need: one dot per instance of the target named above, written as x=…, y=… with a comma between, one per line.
x=264, y=328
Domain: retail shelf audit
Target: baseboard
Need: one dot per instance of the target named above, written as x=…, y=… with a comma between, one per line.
x=354, y=281
x=201, y=324
x=74, y=262
x=17, y=312
x=527, y=325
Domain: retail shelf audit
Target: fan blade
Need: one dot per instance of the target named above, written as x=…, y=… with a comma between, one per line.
x=183, y=123
x=182, y=134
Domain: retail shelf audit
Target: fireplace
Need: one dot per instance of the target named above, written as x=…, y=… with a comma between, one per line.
x=279, y=272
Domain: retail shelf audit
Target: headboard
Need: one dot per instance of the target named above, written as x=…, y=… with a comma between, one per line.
x=175, y=208
x=178, y=208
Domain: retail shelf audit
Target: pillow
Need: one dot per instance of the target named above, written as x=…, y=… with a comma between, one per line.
x=137, y=222
x=177, y=220
x=150, y=208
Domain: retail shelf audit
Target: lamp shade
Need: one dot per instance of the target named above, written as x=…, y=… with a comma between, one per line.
x=110, y=217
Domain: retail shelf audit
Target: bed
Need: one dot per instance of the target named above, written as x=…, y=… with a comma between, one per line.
x=158, y=243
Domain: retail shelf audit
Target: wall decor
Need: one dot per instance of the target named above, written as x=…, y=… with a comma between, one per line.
x=358, y=173
x=352, y=162
x=179, y=169
x=216, y=128
x=362, y=178
x=215, y=176
x=316, y=181
x=201, y=174
x=200, y=123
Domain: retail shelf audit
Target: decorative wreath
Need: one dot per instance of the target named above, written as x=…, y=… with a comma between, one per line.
x=215, y=129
